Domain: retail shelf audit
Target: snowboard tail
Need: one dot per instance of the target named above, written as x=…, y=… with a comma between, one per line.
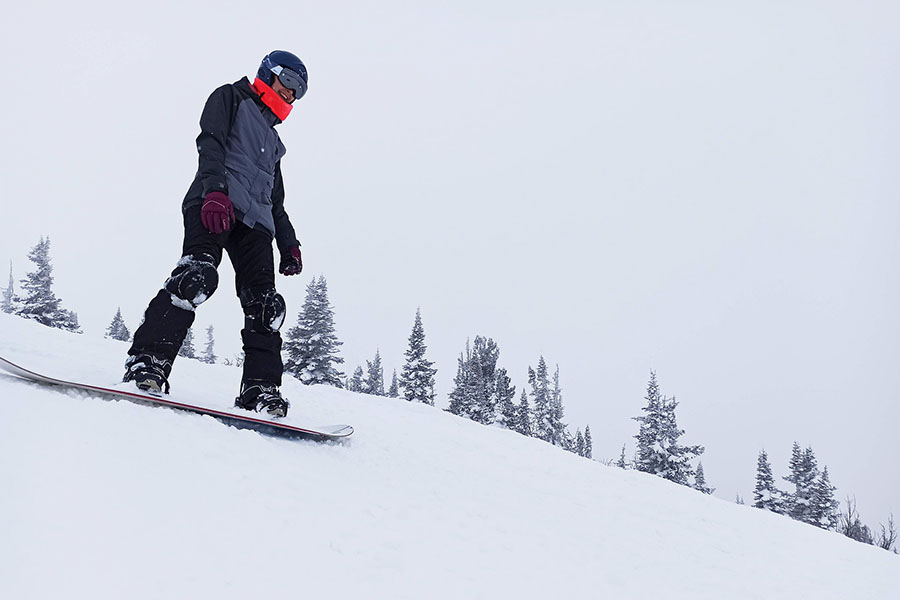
x=233, y=419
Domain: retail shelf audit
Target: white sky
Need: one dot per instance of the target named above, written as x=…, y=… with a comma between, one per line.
x=707, y=190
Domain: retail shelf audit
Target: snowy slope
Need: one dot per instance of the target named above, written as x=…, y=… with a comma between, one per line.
x=109, y=499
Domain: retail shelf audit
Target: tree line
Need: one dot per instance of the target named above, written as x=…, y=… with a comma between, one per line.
x=812, y=499
x=483, y=392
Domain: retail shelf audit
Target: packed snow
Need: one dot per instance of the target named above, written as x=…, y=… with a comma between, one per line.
x=109, y=499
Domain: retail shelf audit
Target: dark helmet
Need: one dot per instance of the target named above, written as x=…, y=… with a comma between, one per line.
x=273, y=62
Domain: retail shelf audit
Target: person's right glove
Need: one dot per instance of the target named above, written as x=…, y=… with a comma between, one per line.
x=291, y=261
x=217, y=213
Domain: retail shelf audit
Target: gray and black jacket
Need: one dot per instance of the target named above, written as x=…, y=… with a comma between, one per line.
x=240, y=155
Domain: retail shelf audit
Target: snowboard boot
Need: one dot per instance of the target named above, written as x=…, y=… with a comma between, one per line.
x=262, y=397
x=148, y=373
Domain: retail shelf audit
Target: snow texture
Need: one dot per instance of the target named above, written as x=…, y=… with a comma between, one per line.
x=108, y=499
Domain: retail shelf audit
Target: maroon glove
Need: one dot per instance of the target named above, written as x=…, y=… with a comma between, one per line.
x=217, y=213
x=291, y=261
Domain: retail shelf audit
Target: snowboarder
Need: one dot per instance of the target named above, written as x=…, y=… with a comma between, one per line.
x=235, y=203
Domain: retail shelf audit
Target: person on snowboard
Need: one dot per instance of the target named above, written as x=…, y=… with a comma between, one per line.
x=235, y=203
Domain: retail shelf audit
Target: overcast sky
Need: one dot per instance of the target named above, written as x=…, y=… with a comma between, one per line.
x=705, y=189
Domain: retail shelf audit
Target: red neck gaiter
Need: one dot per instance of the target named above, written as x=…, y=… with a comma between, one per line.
x=275, y=102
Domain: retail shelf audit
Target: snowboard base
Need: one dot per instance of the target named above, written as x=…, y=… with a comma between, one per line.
x=240, y=420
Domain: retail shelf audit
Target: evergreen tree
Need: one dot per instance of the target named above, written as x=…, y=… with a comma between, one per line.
x=6, y=303
x=579, y=443
x=209, y=354
x=795, y=467
x=804, y=473
x=485, y=353
x=39, y=302
x=700, y=481
x=417, y=376
x=357, y=382
x=588, y=443
x=117, y=329
x=505, y=393
x=544, y=427
x=478, y=388
x=187, y=349
x=523, y=417
x=621, y=463
x=658, y=449
x=374, y=383
x=394, y=391
x=559, y=437
x=312, y=345
x=766, y=495
x=68, y=320
x=824, y=507
x=475, y=391
x=649, y=429
x=460, y=396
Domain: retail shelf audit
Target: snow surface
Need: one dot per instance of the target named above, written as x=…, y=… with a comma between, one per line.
x=108, y=499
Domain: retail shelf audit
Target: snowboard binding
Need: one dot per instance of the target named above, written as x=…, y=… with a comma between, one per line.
x=148, y=373
x=261, y=397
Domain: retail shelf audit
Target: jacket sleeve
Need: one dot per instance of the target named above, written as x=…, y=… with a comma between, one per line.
x=215, y=124
x=285, y=237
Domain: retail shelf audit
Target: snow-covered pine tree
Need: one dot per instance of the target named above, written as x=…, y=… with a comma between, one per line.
x=649, y=429
x=505, y=393
x=795, y=467
x=68, y=320
x=804, y=472
x=374, y=383
x=460, y=396
x=357, y=382
x=588, y=443
x=486, y=352
x=474, y=393
x=678, y=457
x=6, y=303
x=658, y=449
x=477, y=387
x=187, y=349
x=578, y=446
x=543, y=427
x=622, y=464
x=560, y=436
x=766, y=496
x=824, y=507
x=417, y=376
x=523, y=416
x=117, y=329
x=209, y=353
x=311, y=347
x=700, y=481
x=39, y=302
x=394, y=391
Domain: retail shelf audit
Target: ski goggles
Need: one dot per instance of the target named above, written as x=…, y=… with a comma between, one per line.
x=291, y=80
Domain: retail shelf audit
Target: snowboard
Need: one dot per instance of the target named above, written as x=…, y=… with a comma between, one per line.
x=238, y=418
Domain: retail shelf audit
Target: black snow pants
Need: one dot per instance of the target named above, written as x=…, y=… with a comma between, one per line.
x=168, y=318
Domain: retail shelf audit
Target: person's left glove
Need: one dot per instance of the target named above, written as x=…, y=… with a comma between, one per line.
x=291, y=261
